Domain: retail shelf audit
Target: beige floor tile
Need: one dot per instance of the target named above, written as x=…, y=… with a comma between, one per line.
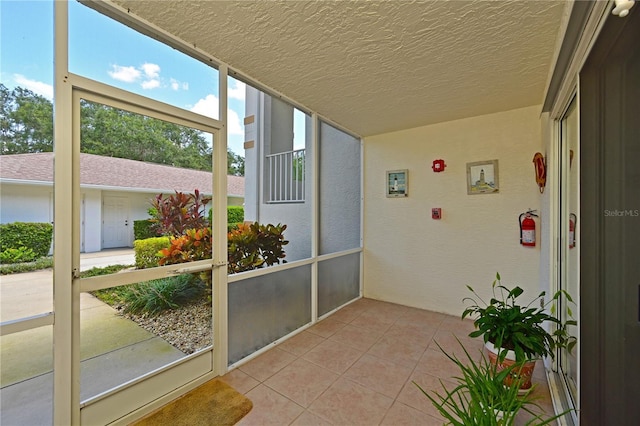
x=240, y=380
x=348, y=368
x=348, y=313
x=457, y=325
x=267, y=364
x=348, y=403
x=334, y=356
x=399, y=350
x=270, y=408
x=391, y=311
x=301, y=343
x=380, y=375
x=327, y=327
x=309, y=419
x=412, y=396
x=357, y=337
x=403, y=415
x=301, y=381
x=411, y=332
x=371, y=320
x=456, y=345
x=437, y=364
x=422, y=317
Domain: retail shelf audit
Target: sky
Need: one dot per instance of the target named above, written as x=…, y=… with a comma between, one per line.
x=107, y=51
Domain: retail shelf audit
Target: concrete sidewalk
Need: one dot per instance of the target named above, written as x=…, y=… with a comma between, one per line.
x=113, y=349
x=31, y=293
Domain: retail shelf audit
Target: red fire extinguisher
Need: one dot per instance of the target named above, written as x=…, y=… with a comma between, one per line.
x=573, y=222
x=527, y=228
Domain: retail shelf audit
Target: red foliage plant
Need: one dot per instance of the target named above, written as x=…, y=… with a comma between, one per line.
x=175, y=214
x=195, y=244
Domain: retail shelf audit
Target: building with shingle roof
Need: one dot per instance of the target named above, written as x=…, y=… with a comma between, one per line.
x=114, y=193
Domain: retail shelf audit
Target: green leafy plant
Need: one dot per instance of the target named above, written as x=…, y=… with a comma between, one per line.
x=103, y=270
x=178, y=212
x=38, y=264
x=146, y=251
x=17, y=255
x=235, y=214
x=252, y=246
x=156, y=296
x=480, y=397
x=195, y=244
x=519, y=328
x=35, y=236
x=143, y=229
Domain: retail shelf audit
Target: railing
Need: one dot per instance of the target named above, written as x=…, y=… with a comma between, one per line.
x=285, y=177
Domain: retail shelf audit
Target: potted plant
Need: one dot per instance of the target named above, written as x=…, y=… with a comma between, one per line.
x=480, y=396
x=516, y=333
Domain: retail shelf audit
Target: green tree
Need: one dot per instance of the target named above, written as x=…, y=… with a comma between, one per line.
x=26, y=122
x=235, y=164
x=26, y=126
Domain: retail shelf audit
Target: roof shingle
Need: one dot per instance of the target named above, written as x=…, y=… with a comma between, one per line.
x=111, y=172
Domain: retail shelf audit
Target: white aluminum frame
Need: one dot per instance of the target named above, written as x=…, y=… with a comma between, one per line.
x=67, y=288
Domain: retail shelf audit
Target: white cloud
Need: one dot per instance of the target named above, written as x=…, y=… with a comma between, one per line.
x=150, y=84
x=235, y=127
x=36, y=87
x=176, y=85
x=209, y=106
x=237, y=91
x=152, y=71
x=126, y=74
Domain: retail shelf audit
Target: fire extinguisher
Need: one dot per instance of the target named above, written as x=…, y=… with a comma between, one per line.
x=527, y=228
x=573, y=222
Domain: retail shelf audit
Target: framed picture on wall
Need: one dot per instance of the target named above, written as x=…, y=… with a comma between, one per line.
x=482, y=177
x=397, y=183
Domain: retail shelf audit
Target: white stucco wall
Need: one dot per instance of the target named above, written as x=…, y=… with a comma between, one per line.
x=25, y=203
x=414, y=260
x=91, y=230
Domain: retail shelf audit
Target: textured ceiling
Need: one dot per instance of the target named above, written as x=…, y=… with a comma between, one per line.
x=377, y=66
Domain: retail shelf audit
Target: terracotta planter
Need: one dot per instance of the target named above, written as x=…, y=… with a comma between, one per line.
x=523, y=373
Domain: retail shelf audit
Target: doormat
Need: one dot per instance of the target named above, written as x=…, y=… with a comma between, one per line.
x=212, y=403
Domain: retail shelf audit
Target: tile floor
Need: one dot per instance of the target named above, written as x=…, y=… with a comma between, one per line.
x=357, y=367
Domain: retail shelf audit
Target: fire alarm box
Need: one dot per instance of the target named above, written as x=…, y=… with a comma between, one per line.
x=436, y=213
x=438, y=166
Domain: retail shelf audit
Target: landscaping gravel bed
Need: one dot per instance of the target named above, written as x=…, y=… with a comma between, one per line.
x=187, y=328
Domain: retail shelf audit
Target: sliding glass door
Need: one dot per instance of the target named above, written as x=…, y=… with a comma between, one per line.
x=568, y=248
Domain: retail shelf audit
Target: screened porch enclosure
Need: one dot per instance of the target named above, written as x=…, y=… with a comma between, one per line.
x=303, y=173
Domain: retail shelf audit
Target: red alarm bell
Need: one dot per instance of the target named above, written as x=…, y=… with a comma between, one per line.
x=438, y=166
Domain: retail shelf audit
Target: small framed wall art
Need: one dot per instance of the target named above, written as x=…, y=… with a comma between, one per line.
x=482, y=177
x=397, y=183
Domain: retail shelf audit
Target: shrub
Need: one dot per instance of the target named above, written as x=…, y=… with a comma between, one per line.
x=235, y=214
x=19, y=255
x=104, y=270
x=196, y=244
x=34, y=236
x=251, y=246
x=147, y=251
x=158, y=295
x=179, y=212
x=14, y=268
x=142, y=229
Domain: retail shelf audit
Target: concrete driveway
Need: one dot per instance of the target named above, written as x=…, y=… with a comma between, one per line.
x=31, y=293
x=113, y=349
